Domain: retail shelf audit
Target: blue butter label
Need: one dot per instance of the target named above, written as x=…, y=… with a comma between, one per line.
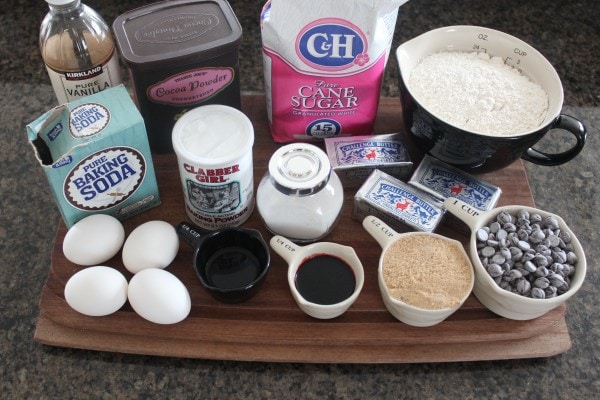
x=450, y=184
x=370, y=152
x=404, y=203
x=446, y=181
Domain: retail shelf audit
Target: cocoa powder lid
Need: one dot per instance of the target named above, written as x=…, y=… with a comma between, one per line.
x=185, y=31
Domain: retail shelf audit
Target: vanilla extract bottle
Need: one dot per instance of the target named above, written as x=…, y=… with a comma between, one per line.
x=78, y=50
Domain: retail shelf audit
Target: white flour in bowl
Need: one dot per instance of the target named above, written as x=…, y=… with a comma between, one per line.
x=478, y=93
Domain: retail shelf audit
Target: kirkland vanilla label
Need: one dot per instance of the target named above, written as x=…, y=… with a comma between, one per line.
x=96, y=156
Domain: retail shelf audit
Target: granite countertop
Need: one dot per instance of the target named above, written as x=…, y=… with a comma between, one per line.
x=567, y=33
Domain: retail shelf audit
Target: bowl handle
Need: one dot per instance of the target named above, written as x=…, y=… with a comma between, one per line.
x=284, y=247
x=191, y=233
x=571, y=125
x=465, y=212
x=380, y=231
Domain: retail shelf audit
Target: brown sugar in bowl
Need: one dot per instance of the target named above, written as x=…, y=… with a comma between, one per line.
x=423, y=277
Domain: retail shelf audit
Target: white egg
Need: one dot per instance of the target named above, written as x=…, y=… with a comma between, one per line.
x=159, y=296
x=93, y=240
x=96, y=291
x=150, y=245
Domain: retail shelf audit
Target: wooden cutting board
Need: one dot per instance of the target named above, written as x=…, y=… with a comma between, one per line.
x=270, y=327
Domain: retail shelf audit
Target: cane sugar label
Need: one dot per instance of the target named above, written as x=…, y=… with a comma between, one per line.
x=192, y=86
x=324, y=62
x=88, y=120
x=105, y=178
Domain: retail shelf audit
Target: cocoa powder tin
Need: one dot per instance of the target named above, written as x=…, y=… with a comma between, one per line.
x=180, y=54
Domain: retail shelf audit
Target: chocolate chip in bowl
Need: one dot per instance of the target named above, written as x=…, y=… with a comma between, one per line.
x=527, y=261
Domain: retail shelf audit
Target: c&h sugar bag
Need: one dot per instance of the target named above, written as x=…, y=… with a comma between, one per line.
x=323, y=65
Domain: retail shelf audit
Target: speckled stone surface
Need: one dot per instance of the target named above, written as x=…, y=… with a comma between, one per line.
x=566, y=32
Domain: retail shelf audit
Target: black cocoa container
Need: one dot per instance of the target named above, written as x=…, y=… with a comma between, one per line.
x=180, y=54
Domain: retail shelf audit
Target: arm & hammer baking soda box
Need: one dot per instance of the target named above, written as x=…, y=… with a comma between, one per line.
x=96, y=156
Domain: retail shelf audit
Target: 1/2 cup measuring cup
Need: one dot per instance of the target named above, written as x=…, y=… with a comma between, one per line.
x=425, y=296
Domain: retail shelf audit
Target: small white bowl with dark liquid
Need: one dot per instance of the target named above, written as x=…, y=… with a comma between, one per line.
x=325, y=278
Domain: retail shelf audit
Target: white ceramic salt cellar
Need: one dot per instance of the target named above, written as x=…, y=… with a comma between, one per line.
x=300, y=197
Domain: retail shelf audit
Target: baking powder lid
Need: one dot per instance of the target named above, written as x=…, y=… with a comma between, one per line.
x=212, y=135
x=300, y=168
x=186, y=31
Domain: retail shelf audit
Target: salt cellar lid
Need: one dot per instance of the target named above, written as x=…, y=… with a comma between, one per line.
x=299, y=169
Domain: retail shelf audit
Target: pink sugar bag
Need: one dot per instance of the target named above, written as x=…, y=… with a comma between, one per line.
x=323, y=65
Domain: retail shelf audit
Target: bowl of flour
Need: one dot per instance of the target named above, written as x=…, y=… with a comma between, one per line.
x=479, y=99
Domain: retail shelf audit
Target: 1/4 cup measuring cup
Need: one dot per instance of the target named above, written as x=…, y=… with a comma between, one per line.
x=347, y=261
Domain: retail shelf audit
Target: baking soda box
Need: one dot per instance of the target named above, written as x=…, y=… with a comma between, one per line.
x=96, y=156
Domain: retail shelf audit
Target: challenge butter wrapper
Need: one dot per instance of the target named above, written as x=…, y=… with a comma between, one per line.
x=96, y=156
x=401, y=206
x=442, y=181
x=354, y=158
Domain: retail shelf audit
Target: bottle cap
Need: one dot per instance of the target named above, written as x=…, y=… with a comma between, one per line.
x=299, y=168
x=60, y=2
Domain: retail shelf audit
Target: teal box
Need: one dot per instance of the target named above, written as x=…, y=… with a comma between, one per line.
x=96, y=156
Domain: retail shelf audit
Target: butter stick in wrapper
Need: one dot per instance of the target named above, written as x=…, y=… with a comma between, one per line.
x=354, y=158
x=442, y=181
x=401, y=206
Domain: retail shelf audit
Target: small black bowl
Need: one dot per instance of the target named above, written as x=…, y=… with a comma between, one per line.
x=231, y=263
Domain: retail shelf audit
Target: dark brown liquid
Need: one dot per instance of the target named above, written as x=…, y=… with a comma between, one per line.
x=325, y=279
x=232, y=268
